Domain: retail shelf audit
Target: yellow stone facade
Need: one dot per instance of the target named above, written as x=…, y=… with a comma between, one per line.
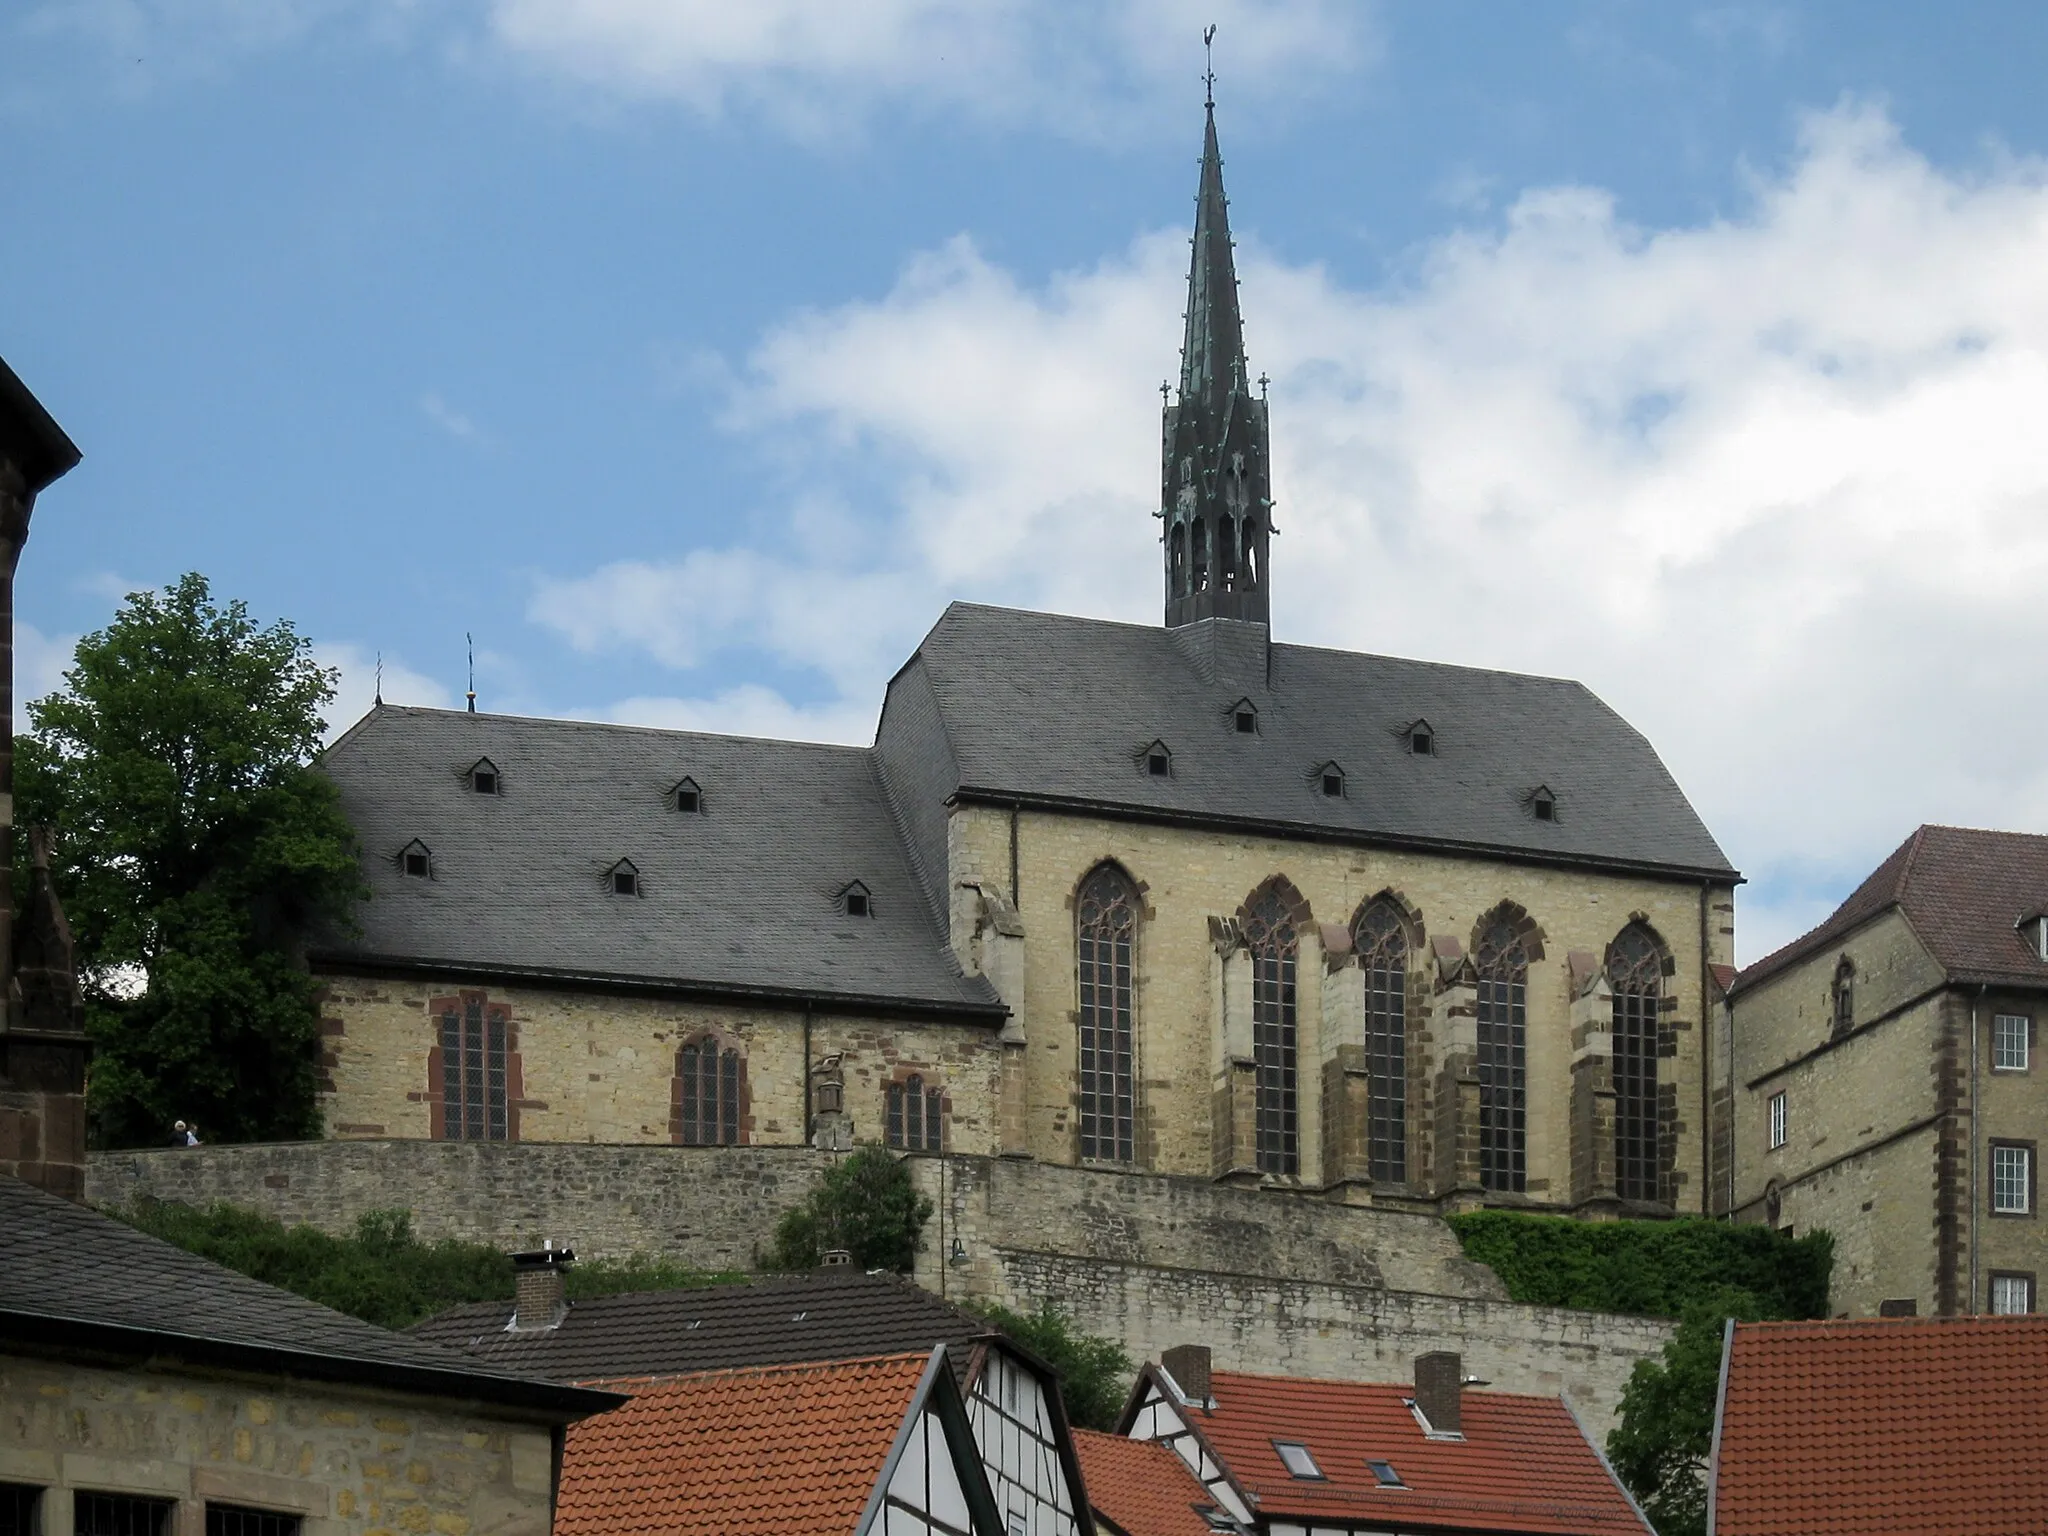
x=594, y=1067
x=348, y=1463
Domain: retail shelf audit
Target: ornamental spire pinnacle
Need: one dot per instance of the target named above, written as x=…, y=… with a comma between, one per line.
x=1216, y=488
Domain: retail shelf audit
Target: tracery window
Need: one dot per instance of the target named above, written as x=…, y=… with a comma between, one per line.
x=917, y=1116
x=1381, y=939
x=709, y=1078
x=1635, y=972
x=1105, y=946
x=1502, y=962
x=1275, y=947
x=474, y=1098
x=1199, y=581
x=1179, y=548
x=1226, y=554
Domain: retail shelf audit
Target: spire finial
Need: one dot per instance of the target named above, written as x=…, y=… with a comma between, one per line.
x=380, y=679
x=1209, y=68
x=466, y=635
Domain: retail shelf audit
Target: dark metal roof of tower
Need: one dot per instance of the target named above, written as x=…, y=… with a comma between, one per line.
x=1212, y=350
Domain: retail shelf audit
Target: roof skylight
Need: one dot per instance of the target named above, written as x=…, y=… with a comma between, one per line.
x=1296, y=1458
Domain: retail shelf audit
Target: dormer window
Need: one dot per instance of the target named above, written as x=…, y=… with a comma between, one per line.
x=1421, y=739
x=1244, y=718
x=2033, y=929
x=1330, y=780
x=416, y=861
x=623, y=879
x=687, y=798
x=1542, y=804
x=857, y=901
x=1157, y=760
x=484, y=778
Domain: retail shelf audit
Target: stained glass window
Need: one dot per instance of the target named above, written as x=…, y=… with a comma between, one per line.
x=1382, y=942
x=708, y=1080
x=1635, y=972
x=1275, y=947
x=1105, y=943
x=474, y=1040
x=1503, y=965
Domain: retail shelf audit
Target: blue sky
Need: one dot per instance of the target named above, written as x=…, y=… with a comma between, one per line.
x=691, y=356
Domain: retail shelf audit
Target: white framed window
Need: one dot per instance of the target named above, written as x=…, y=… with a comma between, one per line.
x=1296, y=1458
x=2010, y=1037
x=1777, y=1120
x=2012, y=1179
x=2012, y=1295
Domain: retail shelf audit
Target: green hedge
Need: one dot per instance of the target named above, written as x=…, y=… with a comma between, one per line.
x=382, y=1272
x=1656, y=1268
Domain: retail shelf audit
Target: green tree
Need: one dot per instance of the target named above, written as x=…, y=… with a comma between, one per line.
x=1666, y=1435
x=865, y=1204
x=1095, y=1373
x=196, y=848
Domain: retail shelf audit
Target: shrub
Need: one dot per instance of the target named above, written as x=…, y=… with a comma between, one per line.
x=865, y=1204
x=1095, y=1374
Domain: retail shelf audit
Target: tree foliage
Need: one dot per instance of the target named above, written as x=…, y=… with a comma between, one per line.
x=382, y=1272
x=1656, y=1268
x=1095, y=1373
x=196, y=848
x=865, y=1204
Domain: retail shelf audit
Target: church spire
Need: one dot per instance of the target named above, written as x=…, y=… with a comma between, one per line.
x=1217, y=499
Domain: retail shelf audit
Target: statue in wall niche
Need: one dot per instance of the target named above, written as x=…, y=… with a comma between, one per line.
x=831, y=1126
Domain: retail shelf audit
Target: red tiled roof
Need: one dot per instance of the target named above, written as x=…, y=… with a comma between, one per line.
x=745, y=1453
x=1888, y=1427
x=1524, y=1465
x=1962, y=889
x=1140, y=1486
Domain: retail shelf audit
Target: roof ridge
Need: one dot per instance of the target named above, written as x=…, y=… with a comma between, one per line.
x=571, y=722
x=786, y=1368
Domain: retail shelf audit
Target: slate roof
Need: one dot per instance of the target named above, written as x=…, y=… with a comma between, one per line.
x=1140, y=1487
x=1963, y=890
x=771, y=1451
x=738, y=901
x=1885, y=1427
x=71, y=1276
x=1052, y=710
x=1524, y=1466
x=827, y=1314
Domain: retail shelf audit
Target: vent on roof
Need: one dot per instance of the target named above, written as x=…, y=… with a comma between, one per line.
x=1156, y=760
x=1244, y=717
x=1421, y=739
x=1542, y=803
x=484, y=777
x=417, y=860
x=1329, y=779
x=855, y=900
x=1296, y=1458
x=623, y=879
x=687, y=798
x=1384, y=1474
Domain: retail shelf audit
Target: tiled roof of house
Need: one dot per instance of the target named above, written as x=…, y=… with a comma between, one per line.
x=1962, y=888
x=1140, y=1487
x=1885, y=1427
x=1524, y=1465
x=777, y=1450
x=826, y=1314
x=68, y=1273
x=740, y=899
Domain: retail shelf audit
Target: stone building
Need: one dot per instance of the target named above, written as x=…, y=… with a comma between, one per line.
x=1883, y=1084
x=1184, y=899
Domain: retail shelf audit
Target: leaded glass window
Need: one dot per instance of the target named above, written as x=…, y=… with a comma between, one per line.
x=917, y=1116
x=474, y=1040
x=1635, y=972
x=1502, y=962
x=1275, y=947
x=1382, y=942
x=708, y=1080
x=1105, y=944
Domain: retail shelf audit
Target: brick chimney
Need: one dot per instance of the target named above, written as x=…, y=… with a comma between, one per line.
x=1439, y=1383
x=538, y=1302
x=1188, y=1365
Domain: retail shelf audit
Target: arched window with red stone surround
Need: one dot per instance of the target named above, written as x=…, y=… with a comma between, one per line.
x=915, y=1115
x=473, y=1072
x=707, y=1102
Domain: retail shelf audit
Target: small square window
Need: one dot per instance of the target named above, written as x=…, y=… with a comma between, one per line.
x=1777, y=1113
x=2011, y=1295
x=2010, y=1034
x=625, y=882
x=1296, y=1458
x=688, y=801
x=1421, y=743
x=1158, y=764
x=416, y=865
x=1247, y=723
x=1384, y=1474
x=856, y=904
x=486, y=782
x=1333, y=785
x=2012, y=1179
x=1545, y=810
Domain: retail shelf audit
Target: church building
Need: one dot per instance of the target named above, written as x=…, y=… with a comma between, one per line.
x=1179, y=899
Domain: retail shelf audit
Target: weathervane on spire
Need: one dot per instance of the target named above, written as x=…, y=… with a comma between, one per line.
x=472, y=670
x=1209, y=71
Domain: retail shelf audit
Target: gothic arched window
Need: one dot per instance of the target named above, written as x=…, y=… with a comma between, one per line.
x=1502, y=962
x=1177, y=559
x=1199, y=576
x=1275, y=947
x=1842, y=997
x=1226, y=554
x=917, y=1116
x=474, y=1064
x=1635, y=971
x=708, y=1083
x=1381, y=937
x=1105, y=949
x=1248, y=562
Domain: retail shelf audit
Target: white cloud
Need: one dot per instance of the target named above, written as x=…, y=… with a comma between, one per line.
x=357, y=687
x=1772, y=485
x=40, y=662
x=443, y=415
x=752, y=710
